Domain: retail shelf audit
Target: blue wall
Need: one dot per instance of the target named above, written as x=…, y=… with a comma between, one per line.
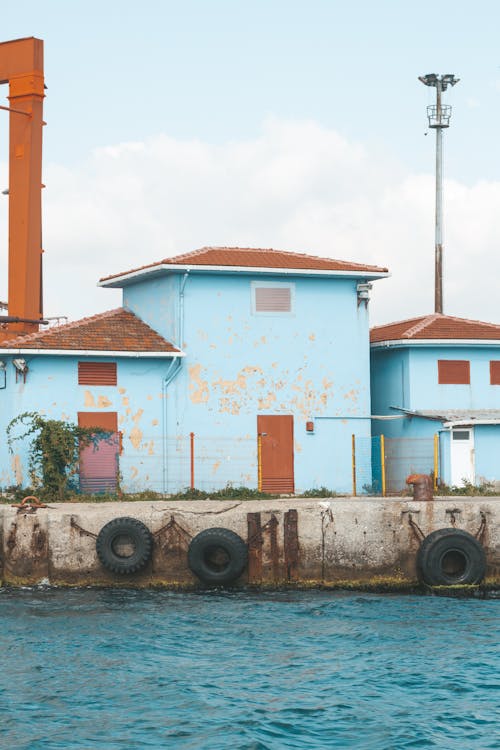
x=312, y=364
x=407, y=377
x=426, y=393
x=487, y=453
x=52, y=389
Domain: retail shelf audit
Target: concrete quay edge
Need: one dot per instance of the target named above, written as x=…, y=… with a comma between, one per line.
x=358, y=543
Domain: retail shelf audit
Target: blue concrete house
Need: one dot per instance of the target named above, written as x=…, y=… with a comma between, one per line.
x=439, y=374
x=224, y=365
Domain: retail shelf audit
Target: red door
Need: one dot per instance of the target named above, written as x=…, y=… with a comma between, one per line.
x=276, y=434
x=99, y=463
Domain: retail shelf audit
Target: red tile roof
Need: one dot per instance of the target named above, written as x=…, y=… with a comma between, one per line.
x=116, y=330
x=435, y=326
x=248, y=257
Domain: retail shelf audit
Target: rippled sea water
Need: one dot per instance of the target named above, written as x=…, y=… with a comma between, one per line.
x=114, y=669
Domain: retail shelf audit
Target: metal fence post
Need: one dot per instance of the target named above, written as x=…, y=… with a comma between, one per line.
x=436, y=460
x=191, y=446
x=259, y=462
x=382, y=463
x=354, y=465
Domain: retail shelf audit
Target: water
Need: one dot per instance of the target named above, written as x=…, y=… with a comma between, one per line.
x=120, y=670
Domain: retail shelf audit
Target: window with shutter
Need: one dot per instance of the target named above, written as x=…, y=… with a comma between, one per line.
x=97, y=373
x=272, y=297
x=495, y=372
x=453, y=371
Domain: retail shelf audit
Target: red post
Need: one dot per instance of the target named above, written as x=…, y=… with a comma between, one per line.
x=191, y=444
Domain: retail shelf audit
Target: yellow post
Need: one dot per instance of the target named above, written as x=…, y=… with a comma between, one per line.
x=259, y=462
x=382, y=463
x=354, y=465
x=436, y=460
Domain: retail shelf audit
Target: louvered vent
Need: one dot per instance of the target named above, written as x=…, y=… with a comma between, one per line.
x=283, y=485
x=495, y=372
x=453, y=371
x=273, y=299
x=96, y=373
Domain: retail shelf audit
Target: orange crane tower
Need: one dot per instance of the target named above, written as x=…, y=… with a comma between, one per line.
x=21, y=66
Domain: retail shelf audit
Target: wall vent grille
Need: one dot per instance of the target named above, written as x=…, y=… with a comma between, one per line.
x=97, y=373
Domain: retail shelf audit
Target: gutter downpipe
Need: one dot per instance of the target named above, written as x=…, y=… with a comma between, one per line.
x=172, y=372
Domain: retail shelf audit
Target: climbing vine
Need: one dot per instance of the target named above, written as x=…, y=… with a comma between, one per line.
x=54, y=450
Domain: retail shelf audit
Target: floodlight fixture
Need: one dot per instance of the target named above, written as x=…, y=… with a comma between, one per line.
x=20, y=364
x=442, y=82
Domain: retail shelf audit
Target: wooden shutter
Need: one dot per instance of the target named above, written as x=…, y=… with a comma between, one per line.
x=495, y=372
x=97, y=373
x=273, y=299
x=453, y=371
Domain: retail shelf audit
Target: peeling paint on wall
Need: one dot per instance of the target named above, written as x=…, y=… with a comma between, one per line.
x=198, y=388
x=352, y=395
x=136, y=433
x=103, y=402
x=266, y=403
x=88, y=400
x=17, y=468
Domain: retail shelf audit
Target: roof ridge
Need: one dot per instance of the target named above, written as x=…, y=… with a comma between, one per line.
x=119, y=330
x=251, y=258
x=423, y=323
x=473, y=320
x=292, y=253
x=65, y=326
x=398, y=322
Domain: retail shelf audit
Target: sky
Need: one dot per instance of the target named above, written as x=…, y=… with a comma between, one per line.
x=272, y=123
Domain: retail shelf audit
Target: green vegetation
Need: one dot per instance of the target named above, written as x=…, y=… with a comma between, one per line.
x=54, y=451
x=319, y=492
x=469, y=490
x=16, y=494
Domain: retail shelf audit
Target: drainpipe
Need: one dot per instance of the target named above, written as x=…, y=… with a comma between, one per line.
x=181, y=310
x=172, y=372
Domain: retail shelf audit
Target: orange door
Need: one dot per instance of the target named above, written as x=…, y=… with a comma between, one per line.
x=276, y=433
x=99, y=462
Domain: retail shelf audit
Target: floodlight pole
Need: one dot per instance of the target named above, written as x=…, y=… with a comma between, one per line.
x=438, y=241
x=439, y=118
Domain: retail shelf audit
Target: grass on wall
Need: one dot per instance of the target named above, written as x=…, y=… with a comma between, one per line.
x=16, y=494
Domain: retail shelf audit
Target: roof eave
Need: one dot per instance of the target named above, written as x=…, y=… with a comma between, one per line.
x=157, y=270
x=399, y=343
x=90, y=353
x=469, y=422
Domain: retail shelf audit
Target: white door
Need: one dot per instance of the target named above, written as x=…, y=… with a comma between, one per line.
x=462, y=456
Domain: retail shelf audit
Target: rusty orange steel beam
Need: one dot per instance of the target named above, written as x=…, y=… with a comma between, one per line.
x=21, y=66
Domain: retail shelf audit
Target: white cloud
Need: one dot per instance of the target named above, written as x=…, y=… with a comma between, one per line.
x=298, y=186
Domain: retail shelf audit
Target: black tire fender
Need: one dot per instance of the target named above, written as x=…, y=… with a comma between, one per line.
x=217, y=556
x=450, y=557
x=124, y=545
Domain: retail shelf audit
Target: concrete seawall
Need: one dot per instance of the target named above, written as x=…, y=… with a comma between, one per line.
x=290, y=540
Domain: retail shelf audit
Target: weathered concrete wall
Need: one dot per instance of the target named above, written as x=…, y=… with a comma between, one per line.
x=290, y=540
